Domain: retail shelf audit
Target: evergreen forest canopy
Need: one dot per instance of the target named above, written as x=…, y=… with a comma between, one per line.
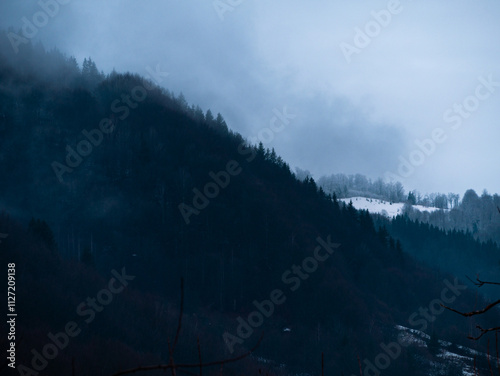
x=471, y=213
x=71, y=221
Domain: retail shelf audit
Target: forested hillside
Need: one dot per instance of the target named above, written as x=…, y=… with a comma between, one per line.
x=472, y=213
x=105, y=172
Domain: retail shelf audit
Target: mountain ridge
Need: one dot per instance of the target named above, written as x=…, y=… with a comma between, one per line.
x=119, y=208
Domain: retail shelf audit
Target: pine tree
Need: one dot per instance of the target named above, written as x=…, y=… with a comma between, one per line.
x=197, y=114
x=209, y=118
x=392, y=245
x=383, y=234
x=220, y=123
x=411, y=198
x=182, y=102
x=399, y=247
x=261, y=152
x=90, y=74
x=273, y=157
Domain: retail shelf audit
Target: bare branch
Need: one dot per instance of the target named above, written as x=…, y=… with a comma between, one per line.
x=180, y=366
x=184, y=367
x=483, y=332
x=473, y=313
x=480, y=283
x=171, y=358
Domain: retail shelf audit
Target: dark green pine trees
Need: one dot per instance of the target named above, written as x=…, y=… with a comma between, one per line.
x=90, y=74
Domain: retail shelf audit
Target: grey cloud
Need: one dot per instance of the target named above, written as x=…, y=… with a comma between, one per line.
x=357, y=117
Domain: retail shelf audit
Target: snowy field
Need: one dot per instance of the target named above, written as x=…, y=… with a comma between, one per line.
x=383, y=207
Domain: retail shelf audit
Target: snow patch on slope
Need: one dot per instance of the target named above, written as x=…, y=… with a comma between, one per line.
x=386, y=208
x=461, y=356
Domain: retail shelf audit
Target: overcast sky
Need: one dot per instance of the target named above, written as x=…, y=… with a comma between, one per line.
x=364, y=79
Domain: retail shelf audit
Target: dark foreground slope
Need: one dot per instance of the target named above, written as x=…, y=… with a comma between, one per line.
x=124, y=176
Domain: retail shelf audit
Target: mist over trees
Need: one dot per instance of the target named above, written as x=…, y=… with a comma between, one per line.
x=345, y=186
x=119, y=207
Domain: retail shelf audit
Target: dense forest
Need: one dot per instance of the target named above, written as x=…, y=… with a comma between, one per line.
x=478, y=215
x=109, y=173
x=472, y=213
